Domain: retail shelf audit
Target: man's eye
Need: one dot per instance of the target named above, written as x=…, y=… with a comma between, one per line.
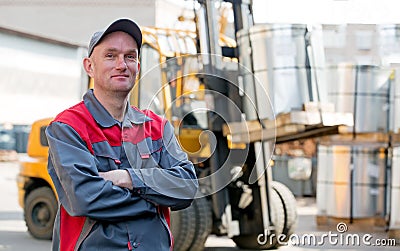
x=109, y=55
x=131, y=57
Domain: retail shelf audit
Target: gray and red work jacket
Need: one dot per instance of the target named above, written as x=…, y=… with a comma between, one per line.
x=96, y=215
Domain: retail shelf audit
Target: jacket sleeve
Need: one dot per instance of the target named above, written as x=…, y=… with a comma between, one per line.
x=173, y=183
x=81, y=191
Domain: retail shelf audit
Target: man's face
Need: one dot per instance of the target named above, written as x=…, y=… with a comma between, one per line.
x=114, y=63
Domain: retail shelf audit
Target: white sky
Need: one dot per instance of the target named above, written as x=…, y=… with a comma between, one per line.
x=327, y=11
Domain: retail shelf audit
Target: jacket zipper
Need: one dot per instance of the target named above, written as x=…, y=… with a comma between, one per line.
x=130, y=247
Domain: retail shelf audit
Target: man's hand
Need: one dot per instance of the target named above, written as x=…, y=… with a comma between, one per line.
x=118, y=177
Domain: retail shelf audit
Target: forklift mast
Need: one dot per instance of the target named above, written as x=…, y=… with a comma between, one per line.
x=225, y=82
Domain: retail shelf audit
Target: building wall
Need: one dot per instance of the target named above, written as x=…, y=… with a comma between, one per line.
x=38, y=78
x=74, y=21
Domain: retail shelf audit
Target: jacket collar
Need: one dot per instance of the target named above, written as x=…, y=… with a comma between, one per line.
x=134, y=116
x=104, y=118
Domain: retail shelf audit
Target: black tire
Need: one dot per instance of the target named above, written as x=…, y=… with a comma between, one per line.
x=203, y=223
x=289, y=206
x=183, y=224
x=40, y=211
x=278, y=219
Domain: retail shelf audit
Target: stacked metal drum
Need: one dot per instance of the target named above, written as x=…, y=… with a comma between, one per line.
x=351, y=67
x=356, y=170
x=352, y=168
x=394, y=216
x=278, y=73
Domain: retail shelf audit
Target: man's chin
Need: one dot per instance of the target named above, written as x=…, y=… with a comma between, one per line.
x=123, y=87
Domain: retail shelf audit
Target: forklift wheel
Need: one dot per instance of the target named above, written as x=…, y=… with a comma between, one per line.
x=203, y=223
x=40, y=211
x=278, y=219
x=183, y=225
x=289, y=205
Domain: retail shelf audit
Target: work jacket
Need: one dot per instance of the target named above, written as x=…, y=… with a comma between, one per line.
x=93, y=213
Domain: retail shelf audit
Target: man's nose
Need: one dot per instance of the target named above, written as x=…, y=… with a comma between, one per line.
x=121, y=63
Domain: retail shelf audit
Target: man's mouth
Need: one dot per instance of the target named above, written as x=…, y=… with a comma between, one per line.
x=120, y=76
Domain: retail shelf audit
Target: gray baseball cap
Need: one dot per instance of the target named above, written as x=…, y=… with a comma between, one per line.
x=125, y=25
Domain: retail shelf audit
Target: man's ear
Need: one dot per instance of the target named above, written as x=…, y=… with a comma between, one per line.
x=88, y=66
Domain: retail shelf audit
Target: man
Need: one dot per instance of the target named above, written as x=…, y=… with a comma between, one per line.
x=117, y=170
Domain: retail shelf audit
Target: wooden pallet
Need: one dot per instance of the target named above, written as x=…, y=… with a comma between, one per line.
x=394, y=233
x=287, y=127
x=354, y=224
x=345, y=136
x=395, y=139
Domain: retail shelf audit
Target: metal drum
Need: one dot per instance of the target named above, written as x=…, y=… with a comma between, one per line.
x=395, y=191
x=363, y=90
x=389, y=43
x=351, y=181
x=246, y=78
x=395, y=97
x=280, y=65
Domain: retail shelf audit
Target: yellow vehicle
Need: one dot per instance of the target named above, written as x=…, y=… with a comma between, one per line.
x=186, y=76
x=36, y=192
